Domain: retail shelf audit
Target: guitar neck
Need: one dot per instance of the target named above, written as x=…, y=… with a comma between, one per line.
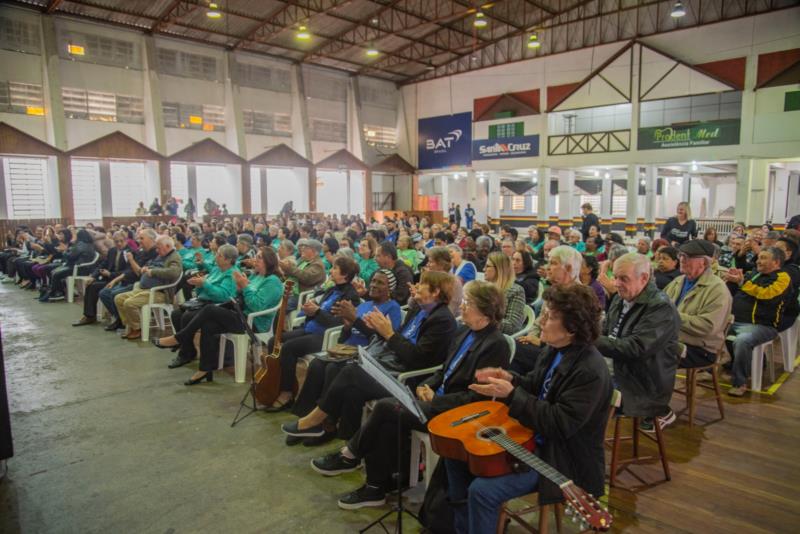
x=531, y=460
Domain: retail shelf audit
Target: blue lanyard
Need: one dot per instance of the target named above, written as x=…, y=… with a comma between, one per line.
x=548, y=378
x=462, y=351
x=411, y=331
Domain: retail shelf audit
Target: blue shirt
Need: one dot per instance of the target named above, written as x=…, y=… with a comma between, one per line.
x=548, y=379
x=312, y=326
x=687, y=286
x=466, y=271
x=462, y=351
x=390, y=308
x=411, y=330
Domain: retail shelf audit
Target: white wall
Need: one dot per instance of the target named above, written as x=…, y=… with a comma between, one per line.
x=284, y=185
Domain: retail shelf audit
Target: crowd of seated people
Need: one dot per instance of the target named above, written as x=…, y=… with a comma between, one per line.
x=421, y=296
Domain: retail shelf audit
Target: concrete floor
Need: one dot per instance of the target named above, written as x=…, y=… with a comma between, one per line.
x=108, y=439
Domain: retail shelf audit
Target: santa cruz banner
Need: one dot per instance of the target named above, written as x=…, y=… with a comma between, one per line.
x=526, y=146
x=710, y=133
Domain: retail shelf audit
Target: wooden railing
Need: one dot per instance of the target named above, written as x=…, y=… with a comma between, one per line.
x=589, y=143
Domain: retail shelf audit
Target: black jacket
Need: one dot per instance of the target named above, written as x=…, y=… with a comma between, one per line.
x=571, y=418
x=589, y=221
x=792, y=310
x=327, y=319
x=404, y=276
x=529, y=280
x=664, y=278
x=79, y=253
x=490, y=349
x=762, y=298
x=435, y=334
x=645, y=351
x=110, y=263
x=143, y=257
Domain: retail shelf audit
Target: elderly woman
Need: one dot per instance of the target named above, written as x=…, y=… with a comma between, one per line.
x=568, y=408
x=260, y=291
x=307, y=339
x=420, y=343
x=564, y=269
x=498, y=271
x=214, y=288
x=575, y=240
x=525, y=275
x=356, y=333
x=643, y=247
x=478, y=344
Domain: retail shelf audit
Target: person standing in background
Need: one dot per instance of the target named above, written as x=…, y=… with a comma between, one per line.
x=681, y=228
x=469, y=216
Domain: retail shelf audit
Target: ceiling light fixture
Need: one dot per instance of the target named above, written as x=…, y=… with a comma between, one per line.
x=480, y=20
x=642, y=181
x=596, y=173
x=372, y=51
x=213, y=11
x=678, y=10
x=533, y=41
x=480, y=179
x=430, y=66
x=694, y=165
x=607, y=175
x=302, y=33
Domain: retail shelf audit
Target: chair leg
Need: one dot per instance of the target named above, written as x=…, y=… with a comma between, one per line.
x=544, y=523
x=431, y=459
x=559, y=513
x=662, y=449
x=717, y=392
x=612, y=477
x=691, y=386
x=240, y=345
x=144, y=319
x=635, y=423
x=70, y=289
x=221, y=351
x=756, y=368
x=413, y=467
x=770, y=356
x=502, y=519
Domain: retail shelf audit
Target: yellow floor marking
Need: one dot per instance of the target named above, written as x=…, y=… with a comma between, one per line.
x=769, y=391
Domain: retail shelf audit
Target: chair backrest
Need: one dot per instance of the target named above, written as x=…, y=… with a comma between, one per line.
x=728, y=324
x=79, y=265
x=512, y=346
x=480, y=276
x=530, y=317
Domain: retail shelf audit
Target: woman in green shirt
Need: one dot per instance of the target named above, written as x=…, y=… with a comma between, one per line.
x=261, y=291
x=366, y=259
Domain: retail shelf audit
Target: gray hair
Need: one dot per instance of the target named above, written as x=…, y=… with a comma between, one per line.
x=568, y=257
x=615, y=252
x=228, y=252
x=776, y=253
x=347, y=252
x=287, y=244
x=120, y=235
x=484, y=240
x=455, y=248
x=641, y=263
x=166, y=240
x=148, y=232
x=247, y=239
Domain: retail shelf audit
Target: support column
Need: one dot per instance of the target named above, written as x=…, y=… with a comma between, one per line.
x=234, y=131
x=752, y=177
x=445, y=181
x=606, y=199
x=54, y=106
x=493, y=210
x=154, y=135
x=165, y=182
x=650, y=196
x=542, y=193
x=686, y=187
x=662, y=201
x=301, y=139
x=65, y=188
x=3, y=199
x=263, y=174
x=566, y=186
x=356, y=143
x=191, y=183
x=244, y=169
x=106, y=209
x=632, y=200
x=415, y=192
x=472, y=188
x=312, y=189
x=780, y=197
x=368, y=207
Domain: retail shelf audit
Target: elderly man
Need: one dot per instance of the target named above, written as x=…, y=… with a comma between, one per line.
x=758, y=308
x=123, y=283
x=462, y=269
x=308, y=273
x=565, y=269
x=439, y=261
x=703, y=303
x=554, y=233
x=483, y=246
x=165, y=269
x=109, y=269
x=640, y=337
x=246, y=250
x=508, y=248
x=386, y=258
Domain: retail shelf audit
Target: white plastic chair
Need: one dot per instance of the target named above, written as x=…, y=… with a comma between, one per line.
x=431, y=458
x=160, y=309
x=293, y=321
x=241, y=344
x=480, y=276
x=512, y=345
x=789, y=346
x=527, y=326
x=75, y=278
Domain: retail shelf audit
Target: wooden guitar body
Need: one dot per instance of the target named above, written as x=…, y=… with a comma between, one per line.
x=459, y=434
x=268, y=378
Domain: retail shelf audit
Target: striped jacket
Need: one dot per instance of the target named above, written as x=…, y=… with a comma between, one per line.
x=762, y=298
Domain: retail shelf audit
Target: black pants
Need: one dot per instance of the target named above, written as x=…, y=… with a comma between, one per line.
x=294, y=345
x=696, y=357
x=319, y=378
x=525, y=356
x=58, y=279
x=90, y=296
x=180, y=321
x=5, y=258
x=346, y=397
x=211, y=321
x=376, y=442
x=25, y=270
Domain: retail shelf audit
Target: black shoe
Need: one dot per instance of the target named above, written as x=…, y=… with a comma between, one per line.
x=366, y=495
x=291, y=441
x=283, y=407
x=320, y=440
x=84, y=321
x=113, y=327
x=208, y=377
x=334, y=464
x=178, y=362
x=55, y=296
x=155, y=342
x=292, y=430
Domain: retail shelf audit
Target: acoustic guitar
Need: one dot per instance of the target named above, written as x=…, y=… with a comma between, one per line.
x=482, y=435
x=268, y=377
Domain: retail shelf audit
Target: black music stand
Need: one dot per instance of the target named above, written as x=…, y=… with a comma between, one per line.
x=255, y=345
x=403, y=394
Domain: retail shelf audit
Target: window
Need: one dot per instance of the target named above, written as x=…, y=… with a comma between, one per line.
x=378, y=93
x=619, y=201
x=170, y=113
x=26, y=187
x=16, y=97
x=588, y=120
x=100, y=106
x=594, y=200
x=177, y=63
x=19, y=35
x=193, y=116
x=93, y=48
x=213, y=118
x=263, y=123
x=260, y=77
x=518, y=202
x=385, y=136
x=716, y=106
x=127, y=187
x=86, y=189
x=506, y=130
x=325, y=130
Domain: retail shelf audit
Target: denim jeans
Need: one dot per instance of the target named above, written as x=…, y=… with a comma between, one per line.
x=748, y=336
x=107, y=298
x=483, y=496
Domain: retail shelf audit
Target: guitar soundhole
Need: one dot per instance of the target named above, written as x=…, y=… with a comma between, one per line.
x=491, y=432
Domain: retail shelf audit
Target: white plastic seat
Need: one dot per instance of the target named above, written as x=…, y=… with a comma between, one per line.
x=160, y=309
x=293, y=321
x=789, y=346
x=512, y=345
x=480, y=276
x=757, y=365
x=527, y=326
x=241, y=344
x=431, y=458
x=71, y=280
